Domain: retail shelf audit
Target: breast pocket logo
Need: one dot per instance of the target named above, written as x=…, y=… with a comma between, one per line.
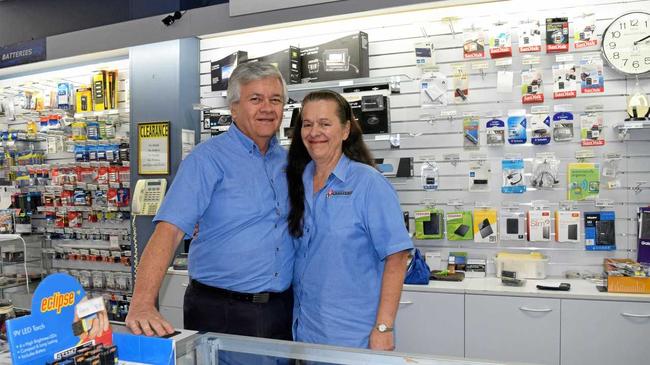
x=331, y=193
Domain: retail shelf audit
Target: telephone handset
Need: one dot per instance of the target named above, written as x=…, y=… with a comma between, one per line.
x=148, y=196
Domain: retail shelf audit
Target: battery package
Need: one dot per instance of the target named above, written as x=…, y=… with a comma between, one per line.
x=395, y=167
x=485, y=225
x=459, y=226
x=221, y=70
x=287, y=62
x=600, y=231
x=99, y=92
x=429, y=224
x=513, y=225
x=539, y=225
x=567, y=226
x=342, y=58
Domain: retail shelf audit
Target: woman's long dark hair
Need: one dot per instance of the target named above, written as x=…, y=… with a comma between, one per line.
x=353, y=147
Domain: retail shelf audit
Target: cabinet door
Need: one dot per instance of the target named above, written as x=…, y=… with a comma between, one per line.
x=512, y=329
x=172, y=290
x=174, y=315
x=430, y=323
x=604, y=332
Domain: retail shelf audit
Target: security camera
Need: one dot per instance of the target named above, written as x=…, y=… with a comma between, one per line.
x=170, y=19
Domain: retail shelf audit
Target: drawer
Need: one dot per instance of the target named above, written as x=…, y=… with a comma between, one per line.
x=172, y=290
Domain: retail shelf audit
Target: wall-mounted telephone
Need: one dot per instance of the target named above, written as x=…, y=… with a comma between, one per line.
x=148, y=196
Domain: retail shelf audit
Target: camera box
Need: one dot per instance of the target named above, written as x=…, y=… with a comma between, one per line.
x=343, y=58
x=220, y=70
x=287, y=61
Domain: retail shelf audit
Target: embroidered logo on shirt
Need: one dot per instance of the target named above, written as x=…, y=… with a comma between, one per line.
x=332, y=193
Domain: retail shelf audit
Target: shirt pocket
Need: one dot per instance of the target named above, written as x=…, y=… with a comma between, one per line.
x=341, y=216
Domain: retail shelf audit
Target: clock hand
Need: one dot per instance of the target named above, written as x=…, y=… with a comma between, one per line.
x=641, y=40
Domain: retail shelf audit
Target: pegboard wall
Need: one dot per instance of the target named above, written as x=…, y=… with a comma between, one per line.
x=424, y=133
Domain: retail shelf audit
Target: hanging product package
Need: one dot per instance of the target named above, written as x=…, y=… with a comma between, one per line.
x=433, y=90
x=429, y=175
x=418, y=271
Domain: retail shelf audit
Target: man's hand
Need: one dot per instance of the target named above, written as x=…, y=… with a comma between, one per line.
x=148, y=321
x=382, y=341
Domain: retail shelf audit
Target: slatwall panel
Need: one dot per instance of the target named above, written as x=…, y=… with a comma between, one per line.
x=424, y=133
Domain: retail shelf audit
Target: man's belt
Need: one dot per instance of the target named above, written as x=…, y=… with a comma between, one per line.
x=261, y=298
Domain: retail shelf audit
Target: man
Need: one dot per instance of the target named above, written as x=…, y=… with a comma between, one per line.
x=234, y=187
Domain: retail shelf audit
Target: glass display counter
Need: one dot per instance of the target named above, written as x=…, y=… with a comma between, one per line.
x=209, y=348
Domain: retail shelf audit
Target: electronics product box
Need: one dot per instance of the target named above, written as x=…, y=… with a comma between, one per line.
x=99, y=92
x=539, y=225
x=567, y=226
x=343, y=58
x=600, y=231
x=475, y=268
x=459, y=226
x=84, y=99
x=221, y=70
x=395, y=167
x=485, y=225
x=644, y=235
x=371, y=111
x=584, y=181
x=513, y=225
x=625, y=284
x=527, y=266
x=287, y=61
x=429, y=224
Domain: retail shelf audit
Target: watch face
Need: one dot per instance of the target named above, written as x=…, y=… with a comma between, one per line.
x=382, y=328
x=626, y=43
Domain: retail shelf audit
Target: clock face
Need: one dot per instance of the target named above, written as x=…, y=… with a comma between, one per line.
x=626, y=43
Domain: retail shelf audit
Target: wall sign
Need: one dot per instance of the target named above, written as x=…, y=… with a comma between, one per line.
x=243, y=7
x=153, y=148
x=21, y=53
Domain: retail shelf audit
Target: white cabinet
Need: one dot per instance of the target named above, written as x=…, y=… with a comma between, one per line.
x=430, y=323
x=170, y=298
x=605, y=332
x=517, y=329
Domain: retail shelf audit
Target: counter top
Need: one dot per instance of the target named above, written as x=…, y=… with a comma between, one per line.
x=580, y=289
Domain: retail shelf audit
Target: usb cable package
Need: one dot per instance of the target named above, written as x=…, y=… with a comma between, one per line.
x=513, y=176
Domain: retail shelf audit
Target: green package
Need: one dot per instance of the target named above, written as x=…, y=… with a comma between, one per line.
x=584, y=181
x=459, y=226
x=429, y=224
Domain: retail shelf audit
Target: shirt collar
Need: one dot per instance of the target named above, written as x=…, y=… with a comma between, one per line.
x=247, y=142
x=341, y=170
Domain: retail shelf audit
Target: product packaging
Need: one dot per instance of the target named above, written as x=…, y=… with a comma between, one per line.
x=513, y=225
x=530, y=37
x=342, y=58
x=600, y=231
x=565, y=81
x=471, y=132
x=479, y=175
x=429, y=173
x=591, y=129
x=584, y=32
x=557, y=35
x=429, y=224
x=539, y=225
x=517, y=127
x=473, y=43
x=592, y=80
x=532, y=87
x=563, y=126
x=485, y=225
x=568, y=225
x=221, y=70
x=433, y=90
x=513, y=176
x=495, y=132
x=459, y=226
x=287, y=61
x=540, y=125
x=501, y=41
x=583, y=181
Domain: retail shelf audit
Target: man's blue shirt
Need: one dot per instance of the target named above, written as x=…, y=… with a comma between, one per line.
x=239, y=199
x=350, y=227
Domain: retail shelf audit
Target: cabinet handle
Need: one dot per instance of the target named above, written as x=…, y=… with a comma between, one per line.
x=406, y=302
x=535, y=310
x=635, y=315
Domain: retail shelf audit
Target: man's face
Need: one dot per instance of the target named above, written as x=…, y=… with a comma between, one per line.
x=258, y=113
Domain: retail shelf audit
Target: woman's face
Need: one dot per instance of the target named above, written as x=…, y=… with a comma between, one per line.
x=322, y=131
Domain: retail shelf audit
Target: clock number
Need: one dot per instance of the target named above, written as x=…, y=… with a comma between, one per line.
x=612, y=45
x=635, y=64
x=615, y=55
x=625, y=61
x=623, y=26
x=616, y=34
x=634, y=22
x=647, y=60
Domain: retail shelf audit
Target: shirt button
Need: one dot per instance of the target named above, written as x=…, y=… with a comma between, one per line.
x=277, y=248
x=276, y=226
x=276, y=274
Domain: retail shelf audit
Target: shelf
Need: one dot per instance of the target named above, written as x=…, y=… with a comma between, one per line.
x=94, y=114
x=393, y=83
x=28, y=261
x=623, y=129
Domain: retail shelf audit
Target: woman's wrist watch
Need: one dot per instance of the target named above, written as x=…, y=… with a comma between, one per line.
x=381, y=327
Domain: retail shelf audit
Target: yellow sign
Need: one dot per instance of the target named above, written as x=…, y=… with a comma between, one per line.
x=153, y=148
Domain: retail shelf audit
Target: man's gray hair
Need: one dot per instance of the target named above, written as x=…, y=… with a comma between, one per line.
x=252, y=71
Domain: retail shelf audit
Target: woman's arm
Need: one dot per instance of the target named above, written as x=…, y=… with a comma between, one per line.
x=391, y=290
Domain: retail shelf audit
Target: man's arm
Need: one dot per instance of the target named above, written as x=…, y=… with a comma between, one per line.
x=391, y=291
x=143, y=316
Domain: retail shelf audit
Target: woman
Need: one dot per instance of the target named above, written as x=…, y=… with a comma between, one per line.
x=352, y=244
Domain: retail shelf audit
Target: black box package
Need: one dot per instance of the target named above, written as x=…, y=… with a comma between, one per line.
x=372, y=112
x=343, y=58
x=287, y=61
x=220, y=70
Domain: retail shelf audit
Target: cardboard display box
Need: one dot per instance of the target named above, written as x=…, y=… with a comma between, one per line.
x=625, y=284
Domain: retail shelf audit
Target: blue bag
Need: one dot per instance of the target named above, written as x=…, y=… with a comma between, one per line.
x=418, y=271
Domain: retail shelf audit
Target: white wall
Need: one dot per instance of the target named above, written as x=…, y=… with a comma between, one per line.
x=391, y=39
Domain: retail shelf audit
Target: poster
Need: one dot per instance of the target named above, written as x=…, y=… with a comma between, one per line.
x=153, y=148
